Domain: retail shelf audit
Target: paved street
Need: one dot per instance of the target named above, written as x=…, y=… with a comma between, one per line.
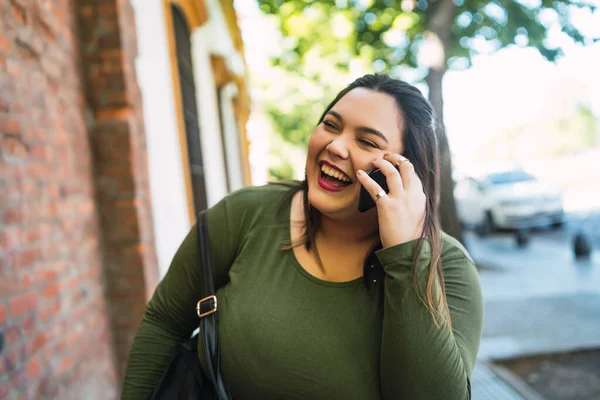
x=538, y=299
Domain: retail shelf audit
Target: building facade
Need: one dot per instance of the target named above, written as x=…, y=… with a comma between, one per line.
x=119, y=121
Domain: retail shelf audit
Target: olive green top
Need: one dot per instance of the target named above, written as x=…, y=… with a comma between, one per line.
x=286, y=334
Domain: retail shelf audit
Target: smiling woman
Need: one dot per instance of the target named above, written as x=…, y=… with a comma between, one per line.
x=320, y=300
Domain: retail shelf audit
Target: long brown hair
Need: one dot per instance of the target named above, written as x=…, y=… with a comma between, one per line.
x=421, y=148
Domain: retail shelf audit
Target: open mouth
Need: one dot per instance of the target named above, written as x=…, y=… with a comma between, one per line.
x=333, y=178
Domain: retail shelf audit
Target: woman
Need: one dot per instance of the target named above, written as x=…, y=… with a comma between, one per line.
x=298, y=317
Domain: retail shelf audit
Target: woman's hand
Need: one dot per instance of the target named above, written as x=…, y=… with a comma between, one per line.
x=401, y=213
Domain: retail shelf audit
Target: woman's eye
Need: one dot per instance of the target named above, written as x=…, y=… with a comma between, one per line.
x=329, y=125
x=368, y=143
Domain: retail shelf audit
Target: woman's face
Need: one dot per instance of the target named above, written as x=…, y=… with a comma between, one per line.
x=361, y=127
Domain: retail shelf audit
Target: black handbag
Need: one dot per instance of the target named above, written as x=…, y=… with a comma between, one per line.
x=184, y=379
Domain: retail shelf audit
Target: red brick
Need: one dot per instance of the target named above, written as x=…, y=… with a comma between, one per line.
x=111, y=113
x=53, y=209
x=53, y=190
x=14, y=215
x=51, y=290
x=11, y=126
x=23, y=304
x=5, y=44
x=33, y=368
x=27, y=257
x=2, y=314
x=33, y=234
x=62, y=137
x=107, y=9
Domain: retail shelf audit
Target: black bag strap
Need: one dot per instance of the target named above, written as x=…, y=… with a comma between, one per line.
x=207, y=309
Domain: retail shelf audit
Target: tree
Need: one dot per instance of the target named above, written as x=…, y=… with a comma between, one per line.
x=430, y=36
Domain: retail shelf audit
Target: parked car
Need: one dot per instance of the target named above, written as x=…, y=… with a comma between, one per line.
x=509, y=199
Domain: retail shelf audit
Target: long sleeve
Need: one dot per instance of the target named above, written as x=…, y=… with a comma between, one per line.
x=418, y=359
x=170, y=316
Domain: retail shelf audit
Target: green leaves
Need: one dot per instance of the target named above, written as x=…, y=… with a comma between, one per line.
x=391, y=31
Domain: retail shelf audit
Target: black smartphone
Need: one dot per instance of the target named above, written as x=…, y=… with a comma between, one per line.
x=365, y=201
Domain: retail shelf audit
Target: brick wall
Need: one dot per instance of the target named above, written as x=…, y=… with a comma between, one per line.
x=77, y=261
x=108, y=45
x=56, y=338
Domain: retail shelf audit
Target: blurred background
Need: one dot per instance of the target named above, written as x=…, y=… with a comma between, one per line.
x=120, y=120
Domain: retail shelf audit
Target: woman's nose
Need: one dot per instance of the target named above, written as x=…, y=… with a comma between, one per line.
x=338, y=147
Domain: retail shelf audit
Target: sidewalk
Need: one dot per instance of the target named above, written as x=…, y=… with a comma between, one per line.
x=488, y=386
x=537, y=300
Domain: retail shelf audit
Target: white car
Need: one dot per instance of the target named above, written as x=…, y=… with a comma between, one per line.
x=511, y=199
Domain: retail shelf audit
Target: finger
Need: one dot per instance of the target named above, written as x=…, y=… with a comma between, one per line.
x=409, y=176
x=392, y=175
x=370, y=185
x=396, y=159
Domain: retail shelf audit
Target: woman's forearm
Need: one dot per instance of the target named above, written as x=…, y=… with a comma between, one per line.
x=420, y=360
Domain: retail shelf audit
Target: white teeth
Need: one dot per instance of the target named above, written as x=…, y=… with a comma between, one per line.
x=333, y=173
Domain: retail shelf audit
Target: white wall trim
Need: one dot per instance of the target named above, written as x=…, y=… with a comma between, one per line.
x=165, y=168
x=231, y=137
x=208, y=113
x=222, y=44
x=165, y=164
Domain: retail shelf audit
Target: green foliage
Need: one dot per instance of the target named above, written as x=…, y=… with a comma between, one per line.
x=295, y=103
x=292, y=125
x=282, y=171
x=391, y=33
